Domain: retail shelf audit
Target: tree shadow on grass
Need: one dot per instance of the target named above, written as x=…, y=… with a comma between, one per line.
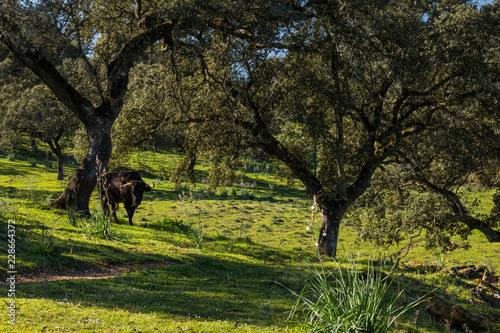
x=24, y=192
x=37, y=254
x=207, y=288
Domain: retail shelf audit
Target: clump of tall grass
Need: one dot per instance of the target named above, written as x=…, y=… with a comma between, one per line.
x=188, y=208
x=46, y=245
x=440, y=259
x=197, y=235
x=31, y=188
x=72, y=212
x=344, y=300
x=99, y=226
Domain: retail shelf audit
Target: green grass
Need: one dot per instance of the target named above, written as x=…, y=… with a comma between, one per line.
x=254, y=248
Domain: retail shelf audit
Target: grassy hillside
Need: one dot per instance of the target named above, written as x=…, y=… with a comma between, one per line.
x=160, y=275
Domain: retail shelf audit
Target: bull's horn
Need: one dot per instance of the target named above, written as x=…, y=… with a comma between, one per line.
x=126, y=185
x=150, y=186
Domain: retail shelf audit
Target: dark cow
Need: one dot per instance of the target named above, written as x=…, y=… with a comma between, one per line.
x=124, y=186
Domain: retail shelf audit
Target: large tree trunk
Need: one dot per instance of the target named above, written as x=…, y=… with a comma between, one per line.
x=332, y=212
x=329, y=235
x=79, y=190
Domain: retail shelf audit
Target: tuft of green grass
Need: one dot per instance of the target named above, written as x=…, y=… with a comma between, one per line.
x=345, y=300
x=440, y=260
x=197, y=236
x=46, y=245
x=99, y=226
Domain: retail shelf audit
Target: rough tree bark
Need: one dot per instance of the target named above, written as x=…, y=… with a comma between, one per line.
x=332, y=212
x=79, y=189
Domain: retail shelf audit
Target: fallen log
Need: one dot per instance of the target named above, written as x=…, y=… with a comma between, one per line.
x=455, y=315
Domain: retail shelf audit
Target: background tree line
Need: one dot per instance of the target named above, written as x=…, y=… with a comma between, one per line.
x=360, y=100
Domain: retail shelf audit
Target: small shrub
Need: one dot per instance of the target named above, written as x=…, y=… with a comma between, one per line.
x=233, y=191
x=247, y=195
x=223, y=192
x=489, y=265
x=48, y=164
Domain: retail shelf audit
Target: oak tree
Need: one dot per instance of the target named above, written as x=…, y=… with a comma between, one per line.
x=346, y=88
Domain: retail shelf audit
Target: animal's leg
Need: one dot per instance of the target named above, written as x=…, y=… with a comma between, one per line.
x=105, y=205
x=130, y=213
x=114, y=207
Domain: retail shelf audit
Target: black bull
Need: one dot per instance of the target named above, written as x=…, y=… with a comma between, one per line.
x=126, y=187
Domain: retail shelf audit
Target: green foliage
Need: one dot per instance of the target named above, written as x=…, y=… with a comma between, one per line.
x=494, y=217
x=346, y=300
x=32, y=162
x=392, y=212
x=412, y=83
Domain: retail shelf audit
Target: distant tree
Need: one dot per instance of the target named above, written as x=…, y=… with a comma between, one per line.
x=30, y=108
x=35, y=112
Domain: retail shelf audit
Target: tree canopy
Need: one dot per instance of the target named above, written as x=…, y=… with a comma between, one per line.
x=334, y=90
